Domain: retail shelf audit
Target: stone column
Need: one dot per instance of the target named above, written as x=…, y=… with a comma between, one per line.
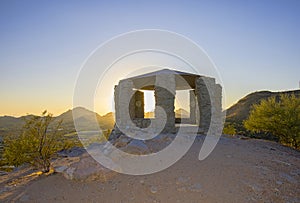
x=209, y=95
x=203, y=97
x=165, y=90
x=217, y=116
x=124, y=108
x=139, y=104
x=117, y=113
x=192, y=107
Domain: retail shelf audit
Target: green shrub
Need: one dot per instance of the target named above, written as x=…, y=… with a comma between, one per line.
x=36, y=145
x=229, y=129
x=279, y=117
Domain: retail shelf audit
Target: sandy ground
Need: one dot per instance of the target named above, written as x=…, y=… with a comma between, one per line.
x=238, y=170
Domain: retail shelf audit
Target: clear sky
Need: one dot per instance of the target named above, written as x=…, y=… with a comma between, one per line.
x=254, y=44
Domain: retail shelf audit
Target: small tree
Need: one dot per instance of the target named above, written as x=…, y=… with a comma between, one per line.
x=36, y=144
x=279, y=117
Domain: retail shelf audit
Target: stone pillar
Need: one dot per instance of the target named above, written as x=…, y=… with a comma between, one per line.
x=139, y=104
x=116, y=99
x=117, y=113
x=192, y=106
x=203, y=97
x=209, y=96
x=217, y=116
x=132, y=107
x=124, y=108
x=165, y=90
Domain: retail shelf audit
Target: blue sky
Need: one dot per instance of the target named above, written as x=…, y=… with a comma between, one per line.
x=254, y=44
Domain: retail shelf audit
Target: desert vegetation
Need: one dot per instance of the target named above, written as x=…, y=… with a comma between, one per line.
x=40, y=138
x=36, y=144
x=279, y=117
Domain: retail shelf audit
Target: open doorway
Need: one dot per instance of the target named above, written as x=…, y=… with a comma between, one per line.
x=149, y=101
x=182, y=106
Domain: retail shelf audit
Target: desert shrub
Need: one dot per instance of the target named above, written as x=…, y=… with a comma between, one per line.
x=229, y=129
x=279, y=117
x=107, y=133
x=36, y=145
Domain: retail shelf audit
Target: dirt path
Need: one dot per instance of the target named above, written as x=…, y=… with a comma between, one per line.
x=237, y=171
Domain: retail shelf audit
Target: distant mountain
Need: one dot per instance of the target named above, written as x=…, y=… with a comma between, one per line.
x=181, y=113
x=86, y=120
x=10, y=124
x=240, y=111
x=107, y=121
x=149, y=114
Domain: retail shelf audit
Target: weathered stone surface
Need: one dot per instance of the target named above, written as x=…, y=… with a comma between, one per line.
x=136, y=147
x=73, y=152
x=82, y=167
x=60, y=169
x=159, y=142
x=89, y=169
x=122, y=141
x=69, y=173
x=64, y=163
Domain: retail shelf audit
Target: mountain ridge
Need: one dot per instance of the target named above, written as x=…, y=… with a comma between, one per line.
x=84, y=118
x=235, y=114
x=240, y=111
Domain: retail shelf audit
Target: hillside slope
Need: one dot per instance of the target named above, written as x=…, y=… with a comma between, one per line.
x=240, y=111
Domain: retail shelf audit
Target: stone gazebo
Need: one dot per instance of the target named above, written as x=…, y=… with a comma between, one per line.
x=205, y=100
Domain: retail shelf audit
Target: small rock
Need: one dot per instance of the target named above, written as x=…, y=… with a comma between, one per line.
x=196, y=187
x=136, y=147
x=276, y=191
x=288, y=177
x=2, y=173
x=153, y=189
x=73, y=152
x=60, y=169
x=121, y=142
x=282, y=162
x=182, y=180
x=69, y=173
x=24, y=198
x=181, y=189
x=255, y=188
x=114, y=187
x=142, y=181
